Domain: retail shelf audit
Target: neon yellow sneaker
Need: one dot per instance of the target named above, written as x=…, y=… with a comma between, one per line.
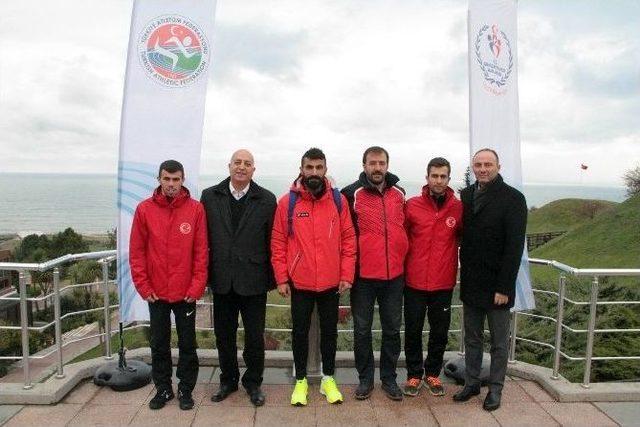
x=329, y=388
x=300, y=391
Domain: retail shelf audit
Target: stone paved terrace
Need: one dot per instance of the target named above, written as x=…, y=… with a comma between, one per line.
x=524, y=404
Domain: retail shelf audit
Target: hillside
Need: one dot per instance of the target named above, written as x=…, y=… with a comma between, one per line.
x=610, y=240
x=565, y=214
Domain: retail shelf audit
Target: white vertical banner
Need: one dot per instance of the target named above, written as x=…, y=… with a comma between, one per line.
x=168, y=64
x=493, y=101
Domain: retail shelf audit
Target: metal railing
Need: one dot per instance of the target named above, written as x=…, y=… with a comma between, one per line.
x=105, y=258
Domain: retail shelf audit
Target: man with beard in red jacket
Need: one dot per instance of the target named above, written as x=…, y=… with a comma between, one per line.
x=313, y=252
x=377, y=208
x=168, y=256
x=434, y=225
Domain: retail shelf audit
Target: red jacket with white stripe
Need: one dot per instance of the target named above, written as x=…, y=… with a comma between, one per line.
x=379, y=222
x=168, y=249
x=321, y=250
x=432, y=261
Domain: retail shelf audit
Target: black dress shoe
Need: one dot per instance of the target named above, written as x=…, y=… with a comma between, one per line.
x=223, y=392
x=256, y=396
x=185, y=400
x=466, y=393
x=364, y=390
x=491, y=402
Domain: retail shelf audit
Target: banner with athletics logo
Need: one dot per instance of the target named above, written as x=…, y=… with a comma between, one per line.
x=493, y=97
x=162, y=112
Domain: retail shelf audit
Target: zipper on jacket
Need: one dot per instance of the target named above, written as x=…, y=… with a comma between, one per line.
x=294, y=264
x=331, y=227
x=386, y=233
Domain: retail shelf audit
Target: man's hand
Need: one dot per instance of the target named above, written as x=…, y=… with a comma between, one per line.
x=343, y=286
x=189, y=300
x=284, y=290
x=500, y=299
x=152, y=298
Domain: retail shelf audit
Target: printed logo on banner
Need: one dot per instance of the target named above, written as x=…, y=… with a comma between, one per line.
x=495, y=58
x=173, y=50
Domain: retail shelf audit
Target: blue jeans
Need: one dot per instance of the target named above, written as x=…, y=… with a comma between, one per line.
x=364, y=294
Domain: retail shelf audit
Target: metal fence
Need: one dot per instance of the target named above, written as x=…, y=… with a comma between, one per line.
x=105, y=258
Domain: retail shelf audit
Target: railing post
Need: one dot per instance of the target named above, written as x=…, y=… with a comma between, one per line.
x=559, y=319
x=314, y=369
x=107, y=315
x=461, y=352
x=593, y=305
x=57, y=321
x=24, y=330
x=512, y=342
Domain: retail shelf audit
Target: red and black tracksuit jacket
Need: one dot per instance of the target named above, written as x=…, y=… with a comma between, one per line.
x=379, y=222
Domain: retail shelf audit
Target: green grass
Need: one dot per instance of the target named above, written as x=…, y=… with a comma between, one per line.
x=565, y=214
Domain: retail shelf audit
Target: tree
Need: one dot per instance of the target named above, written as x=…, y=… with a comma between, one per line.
x=632, y=181
x=466, y=180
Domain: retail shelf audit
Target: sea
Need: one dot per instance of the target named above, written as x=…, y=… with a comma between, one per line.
x=49, y=203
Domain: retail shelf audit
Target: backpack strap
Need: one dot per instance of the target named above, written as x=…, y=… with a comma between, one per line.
x=337, y=199
x=293, y=197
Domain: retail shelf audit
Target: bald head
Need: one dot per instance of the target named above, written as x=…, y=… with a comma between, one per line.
x=241, y=168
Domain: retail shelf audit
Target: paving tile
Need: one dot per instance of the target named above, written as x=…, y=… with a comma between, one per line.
x=577, y=414
x=277, y=395
x=348, y=391
x=170, y=415
x=359, y=415
x=107, y=396
x=58, y=415
x=105, y=415
x=535, y=391
x=624, y=413
x=511, y=393
x=208, y=416
x=82, y=393
x=285, y=416
x=447, y=399
x=8, y=411
x=277, y=376
x=404, y=416
x=523, y=414
x=463, y=415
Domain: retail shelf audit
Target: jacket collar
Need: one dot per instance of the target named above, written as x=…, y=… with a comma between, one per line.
x=389, y=179
x=223, y=188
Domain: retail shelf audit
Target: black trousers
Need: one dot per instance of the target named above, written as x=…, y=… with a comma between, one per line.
x=226, y=308
x=364, y=294
x=499, y=321
x=302, y=304
x=436, y=306
x=160, y=325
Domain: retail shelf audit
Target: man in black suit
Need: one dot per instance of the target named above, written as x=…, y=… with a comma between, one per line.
x=493, y=238
x=239, y=221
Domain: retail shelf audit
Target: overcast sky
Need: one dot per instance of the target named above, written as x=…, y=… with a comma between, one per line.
x=338, y=74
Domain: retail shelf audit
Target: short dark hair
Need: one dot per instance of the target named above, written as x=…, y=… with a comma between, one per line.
x=313, y=154
x=438, y=162
x=375, y=149
x=489, y=150
x=171, y=166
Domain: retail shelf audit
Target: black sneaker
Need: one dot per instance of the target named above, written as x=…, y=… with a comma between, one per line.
x=161, y=398
x=185, y=399
x=392, y=391
x=364, y=390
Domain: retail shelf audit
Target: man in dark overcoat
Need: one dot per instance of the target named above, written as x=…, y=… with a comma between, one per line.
x=239, y=221
x=493, y=238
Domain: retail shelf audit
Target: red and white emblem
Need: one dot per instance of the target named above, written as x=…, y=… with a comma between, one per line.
x=185, y=228
x=450, y=221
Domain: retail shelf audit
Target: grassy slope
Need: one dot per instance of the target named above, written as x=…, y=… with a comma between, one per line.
x=610, y=240
x=565, y=214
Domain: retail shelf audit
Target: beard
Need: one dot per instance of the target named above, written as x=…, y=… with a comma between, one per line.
x=314, y=183
x=376, y=178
